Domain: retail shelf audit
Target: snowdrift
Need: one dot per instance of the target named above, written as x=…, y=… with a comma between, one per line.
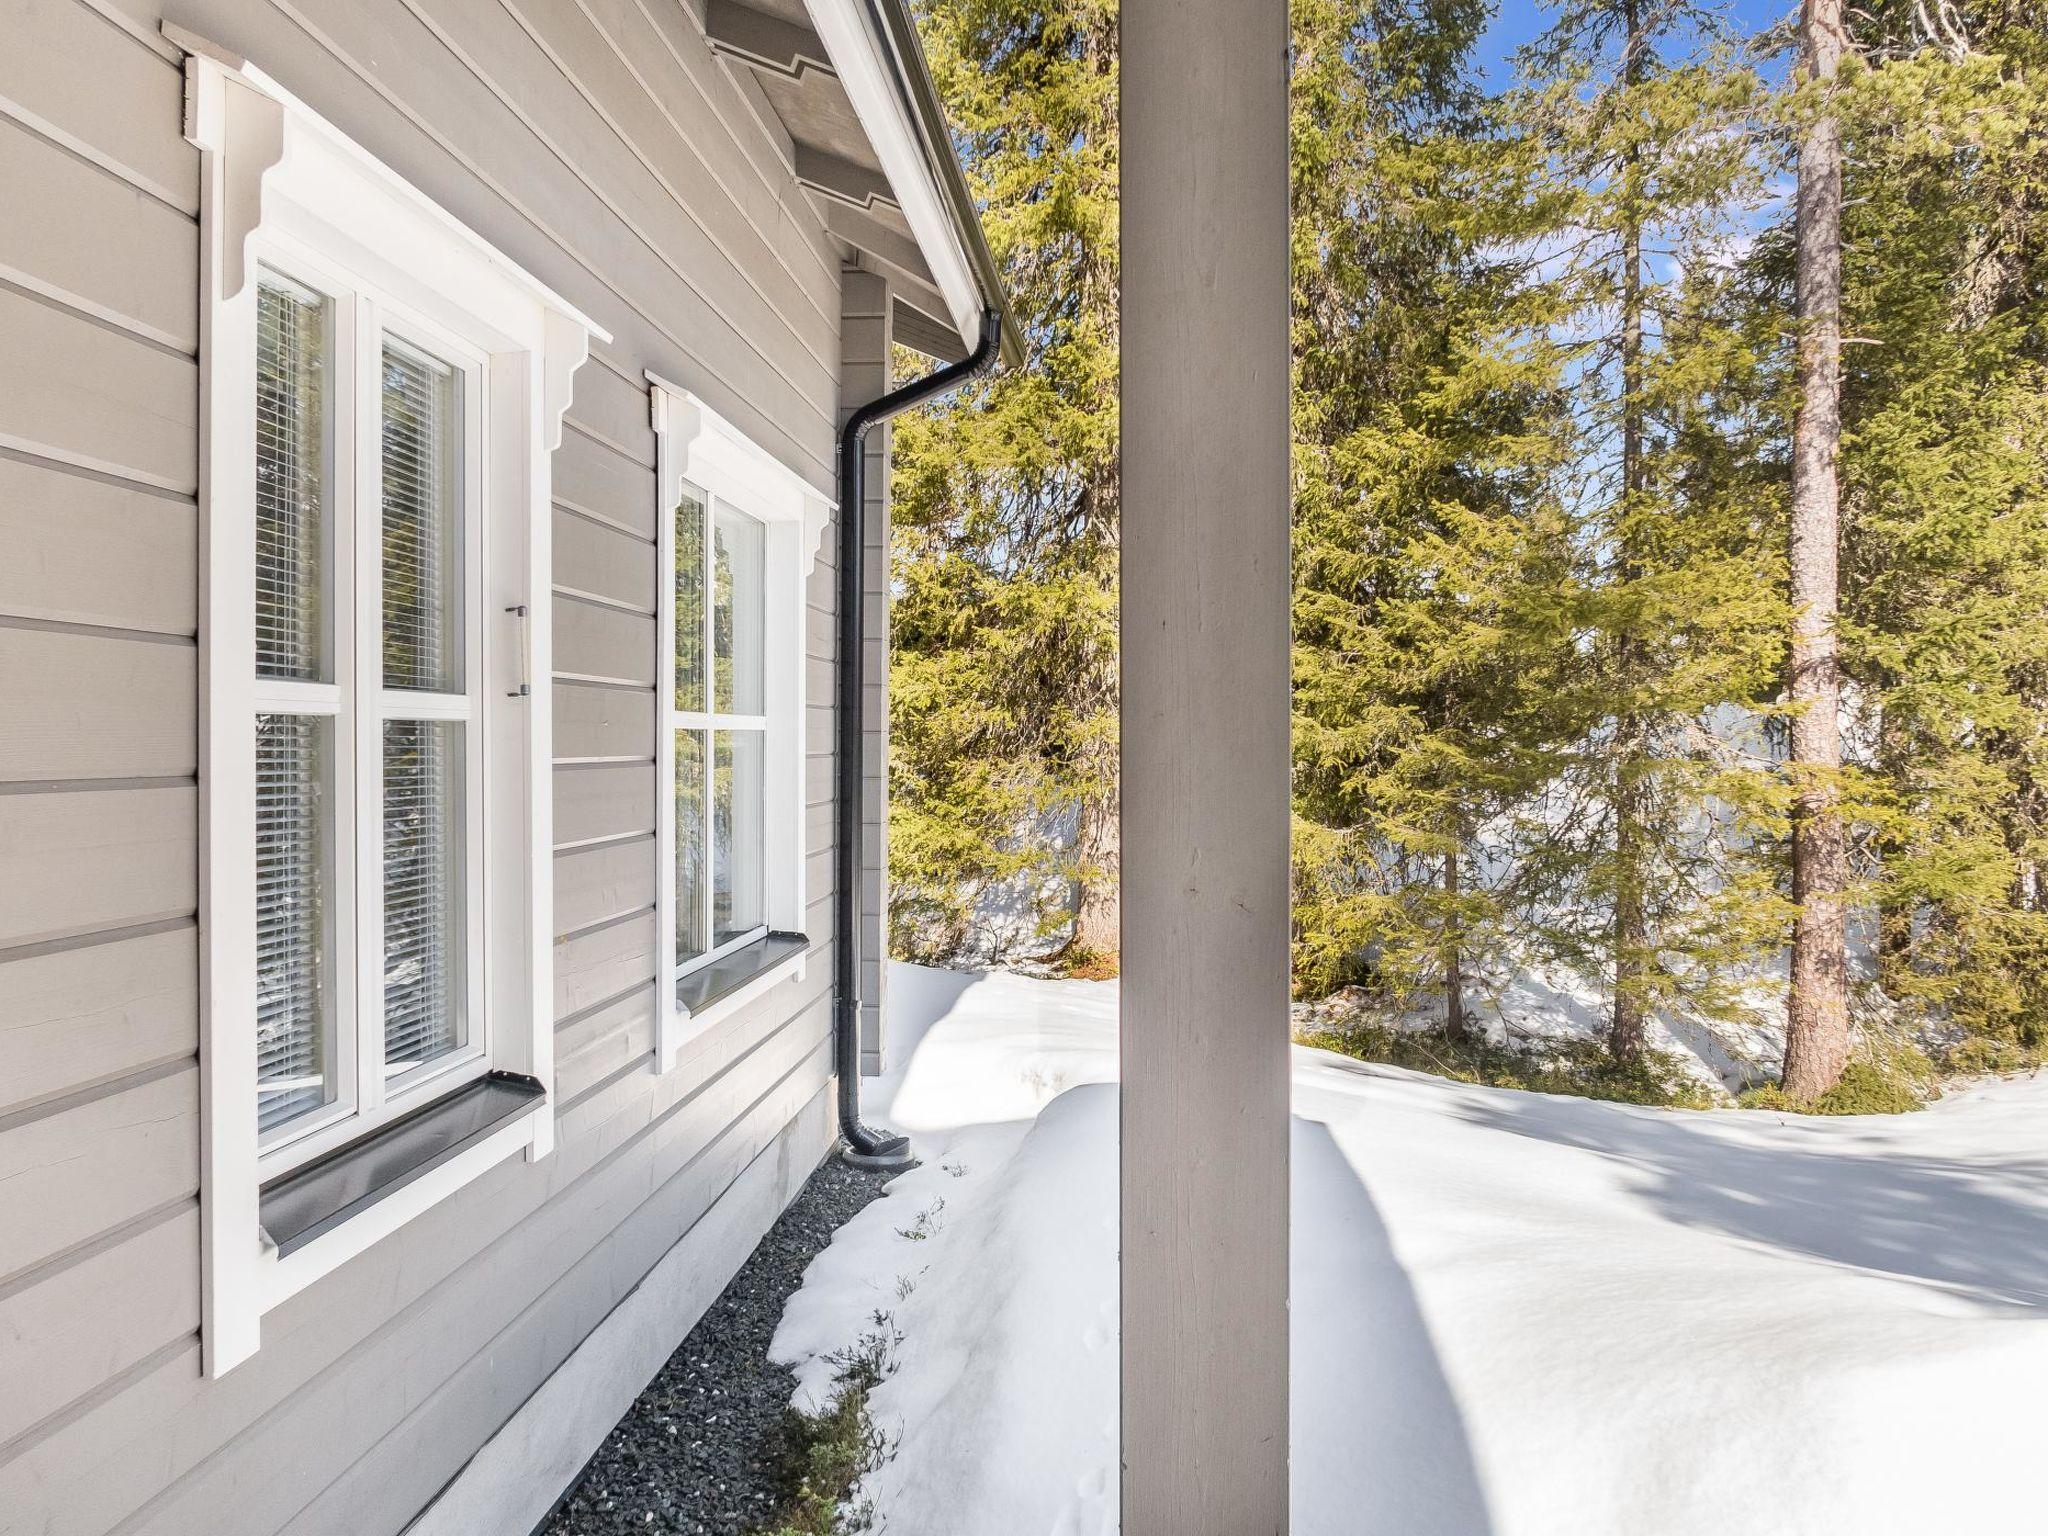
x=1512, y=1313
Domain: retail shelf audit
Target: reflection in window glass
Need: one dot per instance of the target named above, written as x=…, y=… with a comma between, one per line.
x=689, y=679
x=691, y=939
x=736, y=828
x=737, y=618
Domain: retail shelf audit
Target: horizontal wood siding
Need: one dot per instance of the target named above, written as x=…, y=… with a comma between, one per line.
x=600, y=144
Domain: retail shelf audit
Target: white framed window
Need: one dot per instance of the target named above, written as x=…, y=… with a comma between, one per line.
x=381, y=394
x=371, y=544
x=739, y=534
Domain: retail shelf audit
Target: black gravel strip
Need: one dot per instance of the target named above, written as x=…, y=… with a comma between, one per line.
x=700, y=1451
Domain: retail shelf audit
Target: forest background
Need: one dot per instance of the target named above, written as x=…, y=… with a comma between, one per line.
x=1671, y=539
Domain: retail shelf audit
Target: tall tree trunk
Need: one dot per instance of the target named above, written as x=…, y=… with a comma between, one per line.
x=1817, y=1018
x=1097, y=913
x=1455, y=1023
x=1628, y=1027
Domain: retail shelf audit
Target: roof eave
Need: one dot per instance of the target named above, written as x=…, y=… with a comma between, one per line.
x=881, y=64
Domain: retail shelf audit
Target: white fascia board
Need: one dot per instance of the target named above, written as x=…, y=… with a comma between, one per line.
x=852, y=37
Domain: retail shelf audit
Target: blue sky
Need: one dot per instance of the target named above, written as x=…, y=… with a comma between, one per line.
x=1515, y=22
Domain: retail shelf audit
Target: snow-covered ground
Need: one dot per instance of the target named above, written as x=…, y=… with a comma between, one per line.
x=1513, y=1314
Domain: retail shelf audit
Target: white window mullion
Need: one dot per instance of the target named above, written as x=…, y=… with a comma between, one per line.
x=367, y=657
x=706, y=774
x=348, y=488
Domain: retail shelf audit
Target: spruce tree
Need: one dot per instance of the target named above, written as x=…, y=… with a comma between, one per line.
x=1003, y=680
x=1429, y=567
x=1634, y=120
x=1945, y=502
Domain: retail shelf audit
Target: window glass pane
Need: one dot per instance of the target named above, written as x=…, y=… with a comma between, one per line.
x=690, y=604
x=295, y=1066
x=422, y=460
x=690, y=914
x=423, y=889
x=736, y=904
x=293, y=328
x=736, y=617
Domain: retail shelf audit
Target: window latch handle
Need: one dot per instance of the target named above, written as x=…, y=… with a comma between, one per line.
x=525, y=688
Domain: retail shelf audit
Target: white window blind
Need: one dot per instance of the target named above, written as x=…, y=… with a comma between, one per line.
x=422, y=426
x=294, y=1022
x=422, y=891
x=421, y=470
x=292, y=331
x=296, y=1046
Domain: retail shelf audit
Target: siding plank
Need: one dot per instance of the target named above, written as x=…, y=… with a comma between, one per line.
x=605, y=800
x=604, y=723
x=91, y=706
x=60, y=212
x=613, y=411
x=75, y=1017
x=67, y=1177
x=590, y=478
x=84, y=1323
x=646, y=120
x=73, y=75
x=77, y=391
x=595, y=966
x=549, y=95
x=86, y=551
x=595, y=641
x=603, y=1042
x=593, y=884
x=79, y=863
x=399, y=1321
x=428, y=65
x=601, y=561
x=393, y=1478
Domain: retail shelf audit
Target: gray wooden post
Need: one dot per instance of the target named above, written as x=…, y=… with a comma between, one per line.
x=1205, y=767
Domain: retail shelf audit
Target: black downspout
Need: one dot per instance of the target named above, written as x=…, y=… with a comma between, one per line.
x=870, y=1148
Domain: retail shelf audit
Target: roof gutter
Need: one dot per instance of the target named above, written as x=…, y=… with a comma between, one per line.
x=865, y=1147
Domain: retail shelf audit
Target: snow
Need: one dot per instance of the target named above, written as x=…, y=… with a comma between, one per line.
x=1513, y=1313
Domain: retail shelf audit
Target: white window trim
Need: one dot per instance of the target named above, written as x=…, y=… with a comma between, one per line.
x=700, y=448
x=273, y=168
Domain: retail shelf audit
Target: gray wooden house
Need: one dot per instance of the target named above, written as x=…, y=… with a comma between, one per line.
x=424, y=855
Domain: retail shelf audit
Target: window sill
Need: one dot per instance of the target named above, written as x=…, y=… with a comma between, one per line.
x=721, y=989
x=316, y=1218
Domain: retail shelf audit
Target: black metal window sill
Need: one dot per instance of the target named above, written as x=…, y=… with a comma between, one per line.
x=727, y=974
x=315, y=1199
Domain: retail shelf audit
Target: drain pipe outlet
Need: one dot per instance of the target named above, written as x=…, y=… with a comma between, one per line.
x=866, y=1147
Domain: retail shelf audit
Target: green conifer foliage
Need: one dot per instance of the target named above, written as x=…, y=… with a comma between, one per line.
x=1945, y=489
x=1545, y=390
x=1433, y=572
x=1003, y=621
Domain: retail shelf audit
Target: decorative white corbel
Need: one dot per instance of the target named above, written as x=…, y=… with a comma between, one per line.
x=568, y=348
x=704, y=446
x=241, y=130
